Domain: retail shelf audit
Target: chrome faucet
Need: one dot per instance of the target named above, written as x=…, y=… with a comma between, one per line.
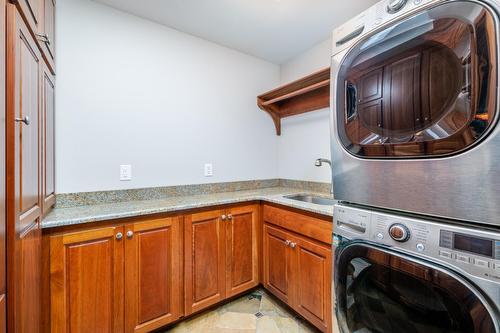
x=319, y=162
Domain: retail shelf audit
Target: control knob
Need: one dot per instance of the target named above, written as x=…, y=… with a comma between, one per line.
x=395, y=5
x=399, y=232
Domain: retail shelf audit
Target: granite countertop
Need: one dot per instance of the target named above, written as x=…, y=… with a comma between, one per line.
x=94, y=213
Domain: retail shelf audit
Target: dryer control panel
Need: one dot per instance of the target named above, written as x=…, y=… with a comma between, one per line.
x=468, y=248
x=374, y=17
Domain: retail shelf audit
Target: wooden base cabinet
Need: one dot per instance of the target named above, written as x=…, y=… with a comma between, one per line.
x=86, y=281
x=298, y=271
x=204, y=270
x=277, y=263
x=221, y=255
x=242, y=244
x=153, y=274
x=313, y=281
x=138, y=275
x=123, y=278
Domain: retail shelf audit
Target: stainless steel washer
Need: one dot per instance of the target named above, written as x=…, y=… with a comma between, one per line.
x=398, y=274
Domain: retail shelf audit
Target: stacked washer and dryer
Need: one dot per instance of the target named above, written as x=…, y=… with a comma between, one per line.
x=416, y=168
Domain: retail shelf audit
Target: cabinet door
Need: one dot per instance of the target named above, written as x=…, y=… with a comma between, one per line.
x=48, y=38
x=312, y=265
x=153, y=270
x=86, y=281
x=370, y=86
x=401, y=106
x=370, y=114
x=3, y=279
x=23, y=176
x=204, y=260
x=48, y=140
x=242, y=263
x=32, y=11
x=277, y=269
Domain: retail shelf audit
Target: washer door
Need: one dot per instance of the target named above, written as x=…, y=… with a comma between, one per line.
x=382, y=292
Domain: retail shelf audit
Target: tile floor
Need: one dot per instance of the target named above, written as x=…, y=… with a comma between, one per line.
x=257, y=312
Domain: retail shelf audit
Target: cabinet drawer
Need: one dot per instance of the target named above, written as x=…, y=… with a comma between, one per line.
x=314, y=227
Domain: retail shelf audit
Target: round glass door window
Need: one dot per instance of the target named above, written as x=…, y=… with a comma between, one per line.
x=379, y=292
x=423, y=87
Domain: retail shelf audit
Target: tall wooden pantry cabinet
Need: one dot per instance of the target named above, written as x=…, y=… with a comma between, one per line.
x=28, y=30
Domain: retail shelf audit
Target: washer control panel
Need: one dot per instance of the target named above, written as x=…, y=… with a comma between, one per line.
x=469, y=248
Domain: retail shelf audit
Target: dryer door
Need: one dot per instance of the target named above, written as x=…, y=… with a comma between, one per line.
x=383, y=292
x=423, y=87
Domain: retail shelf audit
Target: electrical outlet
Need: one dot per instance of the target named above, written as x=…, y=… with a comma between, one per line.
x=209, y=170
x=125, y=172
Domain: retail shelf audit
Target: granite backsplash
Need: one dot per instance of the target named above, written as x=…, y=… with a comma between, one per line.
x=65, y=200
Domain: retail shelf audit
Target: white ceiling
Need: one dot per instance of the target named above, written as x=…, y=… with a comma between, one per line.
x=275, y=30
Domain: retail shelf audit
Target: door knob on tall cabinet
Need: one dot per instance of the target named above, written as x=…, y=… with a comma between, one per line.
x=229, y=217
x=130, y=234
x=26, y=120
x=119, y=236
x=223, y=217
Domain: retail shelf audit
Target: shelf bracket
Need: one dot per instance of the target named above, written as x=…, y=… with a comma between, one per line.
x=271, y=111
x=304, y=95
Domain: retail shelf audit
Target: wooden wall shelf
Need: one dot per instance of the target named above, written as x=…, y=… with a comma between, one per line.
x=304, y=95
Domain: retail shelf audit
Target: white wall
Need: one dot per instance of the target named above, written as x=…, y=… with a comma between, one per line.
x=306, y=137
x=130, y=91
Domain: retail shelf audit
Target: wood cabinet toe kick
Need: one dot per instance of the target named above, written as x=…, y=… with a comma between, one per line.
x=141, y=274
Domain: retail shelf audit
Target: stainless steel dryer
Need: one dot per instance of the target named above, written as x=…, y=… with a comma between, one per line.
x=415, y=108
x=396, y=274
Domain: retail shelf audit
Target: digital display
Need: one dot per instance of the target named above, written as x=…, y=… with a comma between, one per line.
x=475, y=245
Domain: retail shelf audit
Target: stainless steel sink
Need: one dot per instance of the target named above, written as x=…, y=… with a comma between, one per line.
x=312, y=199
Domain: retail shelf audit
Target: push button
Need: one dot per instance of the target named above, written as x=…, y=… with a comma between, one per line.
x=481, y=263
x=462, y=258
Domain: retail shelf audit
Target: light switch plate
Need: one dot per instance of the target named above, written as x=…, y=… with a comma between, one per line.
x=209, y=170
x=125, y=172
